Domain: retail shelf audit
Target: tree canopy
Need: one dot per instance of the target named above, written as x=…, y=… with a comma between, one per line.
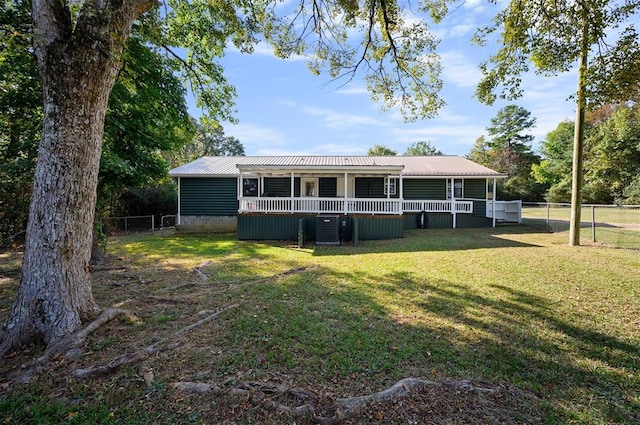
x=508, y=150
x=146, y=115
x=612, y=157
x=381, y=150
x=553, y=36
x=209, y=140
x=79, y=49
x=422, y=148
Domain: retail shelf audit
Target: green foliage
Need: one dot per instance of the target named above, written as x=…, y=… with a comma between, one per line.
x=146, y=115
x=554, y=170
x=380, y=150
x=612, y=157
x=509, y=151
x=549, y=36
x=422, y=148
x=396, y=53
x=631, y=193
x=20, y=118
x=209, y=140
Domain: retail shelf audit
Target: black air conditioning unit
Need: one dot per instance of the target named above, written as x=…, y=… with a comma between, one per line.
x=328, y=230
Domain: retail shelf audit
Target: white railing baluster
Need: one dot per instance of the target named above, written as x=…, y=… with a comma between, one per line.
x=349, y=205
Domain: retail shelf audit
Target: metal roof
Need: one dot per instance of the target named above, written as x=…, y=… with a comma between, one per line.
x=423, y=166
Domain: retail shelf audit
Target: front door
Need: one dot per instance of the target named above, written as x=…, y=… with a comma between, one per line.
x=309, y=187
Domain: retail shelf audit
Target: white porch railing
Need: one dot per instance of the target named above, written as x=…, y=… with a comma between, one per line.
x=464, y=207
x=347, y=205
x=508, y=211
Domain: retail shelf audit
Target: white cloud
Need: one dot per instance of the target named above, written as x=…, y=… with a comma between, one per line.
x=338, y=149
x=340, y=120
x=254, y=137
x=459, y=69
x=353, y=90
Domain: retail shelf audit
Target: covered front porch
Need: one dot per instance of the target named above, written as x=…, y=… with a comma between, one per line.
x=367, y=190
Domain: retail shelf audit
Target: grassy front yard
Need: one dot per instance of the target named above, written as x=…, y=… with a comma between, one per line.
x=557, y=327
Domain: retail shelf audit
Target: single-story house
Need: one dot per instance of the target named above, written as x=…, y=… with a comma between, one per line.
x=323, y=198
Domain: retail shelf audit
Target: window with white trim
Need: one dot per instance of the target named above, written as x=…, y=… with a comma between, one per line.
x=250, y=187
x=457, y=188
x=390, y=185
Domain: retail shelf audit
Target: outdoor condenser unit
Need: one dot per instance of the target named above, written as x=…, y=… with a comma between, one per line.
x=328, y=230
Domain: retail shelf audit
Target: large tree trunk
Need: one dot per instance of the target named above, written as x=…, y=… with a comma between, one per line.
x=578, y=138
x=78, y=66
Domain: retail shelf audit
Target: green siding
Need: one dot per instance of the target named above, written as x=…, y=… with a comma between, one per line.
x=432, y=189
x=208, y=196
x=470, y=220
x=480, y=209
x=281, y=186
x=328, y=187
x=445, y=221
x=285, y=227
x=434, y=221
x=475, y=188
x=374, y=228
x=370, y=187
x=274, y=227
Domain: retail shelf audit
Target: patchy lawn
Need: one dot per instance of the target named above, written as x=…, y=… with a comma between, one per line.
x=548, y=333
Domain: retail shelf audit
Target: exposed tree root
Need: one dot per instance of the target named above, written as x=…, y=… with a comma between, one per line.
x=96, y=269
x=198, y=271
x=241, y=284
x=232, y=285
x=128, y=358
x=317, y=408
x=68, y=347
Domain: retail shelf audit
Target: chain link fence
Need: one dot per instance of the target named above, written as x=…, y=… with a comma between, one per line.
x=607, y=224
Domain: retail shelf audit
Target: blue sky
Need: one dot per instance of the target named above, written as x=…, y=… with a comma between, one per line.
x=283, y=108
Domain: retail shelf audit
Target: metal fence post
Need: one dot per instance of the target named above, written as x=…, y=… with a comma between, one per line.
x=593, y=223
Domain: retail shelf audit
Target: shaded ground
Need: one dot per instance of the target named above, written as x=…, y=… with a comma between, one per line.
x=166, y=299
x=551, y=332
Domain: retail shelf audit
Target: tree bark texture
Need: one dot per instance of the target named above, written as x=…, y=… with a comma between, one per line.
x=78, y=66
x=578, y=139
